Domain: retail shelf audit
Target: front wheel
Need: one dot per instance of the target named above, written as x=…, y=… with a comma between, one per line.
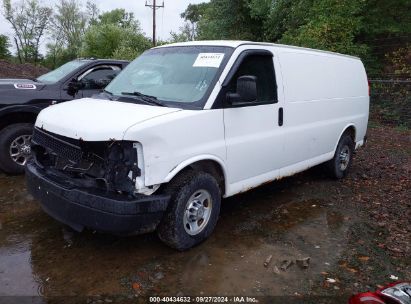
x=339, y=166
x=15, y=143
x=193, y=210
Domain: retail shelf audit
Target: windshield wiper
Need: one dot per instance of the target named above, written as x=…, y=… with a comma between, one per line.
x=151, y=100
x=108, y=94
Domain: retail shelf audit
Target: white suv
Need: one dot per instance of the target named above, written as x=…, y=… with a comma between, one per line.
x=187, y=124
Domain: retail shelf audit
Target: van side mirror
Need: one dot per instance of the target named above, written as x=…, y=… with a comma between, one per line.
x=246, y=91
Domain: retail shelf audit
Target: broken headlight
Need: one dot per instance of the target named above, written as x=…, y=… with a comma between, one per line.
x=121, y=167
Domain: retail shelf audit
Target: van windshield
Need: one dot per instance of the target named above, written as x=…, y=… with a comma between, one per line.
x=61, y=72
x=176, y=76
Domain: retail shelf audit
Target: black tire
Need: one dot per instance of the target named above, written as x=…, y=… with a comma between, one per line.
x=339, y=166
x=171, y=229
x=7, y=136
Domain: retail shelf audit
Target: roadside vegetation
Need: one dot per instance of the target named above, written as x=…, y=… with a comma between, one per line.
x=69, y=30
x=374, y=30
x=379, y=32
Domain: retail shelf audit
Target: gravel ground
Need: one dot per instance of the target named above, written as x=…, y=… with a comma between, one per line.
x=27, y=70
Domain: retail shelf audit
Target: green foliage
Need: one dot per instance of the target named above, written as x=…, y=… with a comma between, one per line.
x=126, y=52
x=399, y=62
x=57, y=55
x=351, y=26
x=4, y=47
x=111, y=40
x=331, y=25
x=29, y=21
x=366, y=28
x=115, y=34
x=260, y=8
x=194, y=12
x=120, y=18
x=383, y=17
x=186, y=33
x=86, y=33
x=189, y=31
x=92, y=12
x=285, y=16
x=392, y=101
x=69, y=24
x=225, y=19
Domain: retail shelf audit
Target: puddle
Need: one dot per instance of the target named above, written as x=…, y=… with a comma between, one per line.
x=288, y=220
x=16, y=275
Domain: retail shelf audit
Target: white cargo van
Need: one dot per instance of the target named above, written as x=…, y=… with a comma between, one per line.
x=187, y=124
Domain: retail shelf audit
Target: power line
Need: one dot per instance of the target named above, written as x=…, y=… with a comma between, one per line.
x=154, y=7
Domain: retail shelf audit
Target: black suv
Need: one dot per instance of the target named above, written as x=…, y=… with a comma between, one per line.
x=22, y=99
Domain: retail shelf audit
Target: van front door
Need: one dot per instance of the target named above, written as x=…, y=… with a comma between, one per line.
x=253, y=132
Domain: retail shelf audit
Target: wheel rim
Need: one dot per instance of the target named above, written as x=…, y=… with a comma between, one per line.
x=198, y=212
x=20, y=149
x=344, y=158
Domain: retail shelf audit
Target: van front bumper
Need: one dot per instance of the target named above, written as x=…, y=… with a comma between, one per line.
x=94, y=209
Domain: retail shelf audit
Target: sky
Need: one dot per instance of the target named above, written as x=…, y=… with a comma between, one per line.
x=168, y=18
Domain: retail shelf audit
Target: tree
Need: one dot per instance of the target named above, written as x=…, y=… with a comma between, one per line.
x=330, y=25
x=115, y=34
x=285, y=16
x=192, y=15
x=386, y=29
x=92, y=12
x=69, y=25
x=226, y=19
x=369, y=28
x=185, y=34
x=4, y=47
x=120, y=18
x=114, y=41
x=383, y=18
x=57, y=55
x=29, y=21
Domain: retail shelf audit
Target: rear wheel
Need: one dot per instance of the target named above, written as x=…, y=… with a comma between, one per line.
x=193, y=210
x=15, y=147
x=339, y=166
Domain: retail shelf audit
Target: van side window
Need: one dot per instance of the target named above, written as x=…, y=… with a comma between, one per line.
x=262, y=67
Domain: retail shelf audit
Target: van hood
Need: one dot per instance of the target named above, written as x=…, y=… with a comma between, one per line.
x=96, y=119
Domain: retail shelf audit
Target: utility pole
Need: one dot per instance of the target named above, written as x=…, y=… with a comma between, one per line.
x=154, y=7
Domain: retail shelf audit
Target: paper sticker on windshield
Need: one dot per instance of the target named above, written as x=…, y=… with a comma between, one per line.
x=209, y=60
x=24, y=86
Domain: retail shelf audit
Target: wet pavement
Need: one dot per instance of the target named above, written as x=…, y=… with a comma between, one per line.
x=297, y=217
x=41, y=257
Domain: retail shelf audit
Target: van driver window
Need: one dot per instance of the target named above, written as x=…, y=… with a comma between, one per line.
x=261, y=67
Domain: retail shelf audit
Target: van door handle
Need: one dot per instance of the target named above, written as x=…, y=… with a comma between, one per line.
x=280, y=117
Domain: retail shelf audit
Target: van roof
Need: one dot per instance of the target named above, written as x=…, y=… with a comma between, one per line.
x=237, y=43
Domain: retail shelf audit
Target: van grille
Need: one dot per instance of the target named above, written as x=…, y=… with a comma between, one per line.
x=57, y=146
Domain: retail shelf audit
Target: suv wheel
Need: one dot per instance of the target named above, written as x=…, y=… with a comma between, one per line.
x=339, y=166
x=193, y=210
x=15, y=142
